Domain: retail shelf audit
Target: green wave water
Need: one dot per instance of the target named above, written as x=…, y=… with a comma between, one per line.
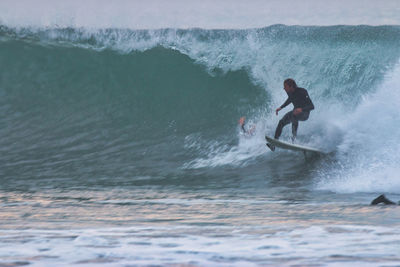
x=86, y=105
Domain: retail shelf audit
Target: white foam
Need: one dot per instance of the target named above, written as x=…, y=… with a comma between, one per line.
x=248, y=148
x=206, y=246
x=369, y=159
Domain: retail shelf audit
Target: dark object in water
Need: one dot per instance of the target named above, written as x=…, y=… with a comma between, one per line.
x=382, y=199
x=271, y=146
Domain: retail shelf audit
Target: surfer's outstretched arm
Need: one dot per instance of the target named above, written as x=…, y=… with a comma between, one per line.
x=250, y=131
x=242, y=120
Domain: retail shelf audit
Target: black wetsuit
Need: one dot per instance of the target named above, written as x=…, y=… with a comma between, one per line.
x=300, y=99
x=382, y=199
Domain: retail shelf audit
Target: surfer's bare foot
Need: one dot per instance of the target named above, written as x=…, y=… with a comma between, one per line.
x=272, y=147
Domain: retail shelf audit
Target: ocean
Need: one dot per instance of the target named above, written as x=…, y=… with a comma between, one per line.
x=121, y=146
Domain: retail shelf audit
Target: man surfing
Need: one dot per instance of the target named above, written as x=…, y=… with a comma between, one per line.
x=250, y=131
x=302, y=105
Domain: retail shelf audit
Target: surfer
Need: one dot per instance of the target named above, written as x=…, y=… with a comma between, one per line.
x=247, y=132
x=302, y=105
x=384, y=200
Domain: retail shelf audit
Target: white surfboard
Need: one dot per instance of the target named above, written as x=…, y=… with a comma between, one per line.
x=286, y=145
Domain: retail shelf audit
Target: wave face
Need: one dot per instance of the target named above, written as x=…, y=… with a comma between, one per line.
x=85, y=105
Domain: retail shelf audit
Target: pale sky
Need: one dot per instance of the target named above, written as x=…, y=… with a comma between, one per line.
x=150, y=14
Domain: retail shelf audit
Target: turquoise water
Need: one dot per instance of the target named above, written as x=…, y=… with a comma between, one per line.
x=121, y=147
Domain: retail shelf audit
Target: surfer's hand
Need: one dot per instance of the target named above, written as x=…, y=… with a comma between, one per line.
x=297, y=111
x=277, y=110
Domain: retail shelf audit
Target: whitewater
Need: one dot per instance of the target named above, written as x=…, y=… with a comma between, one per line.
x=120, y=143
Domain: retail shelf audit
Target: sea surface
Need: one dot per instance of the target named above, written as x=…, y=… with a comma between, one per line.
x=121, y=147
